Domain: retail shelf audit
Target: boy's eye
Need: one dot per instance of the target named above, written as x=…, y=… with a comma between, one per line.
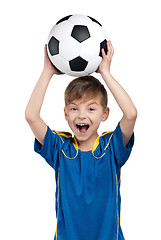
x=91, y=109
x=73, y=109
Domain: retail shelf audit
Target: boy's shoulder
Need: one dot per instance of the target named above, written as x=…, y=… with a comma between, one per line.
x=63, y=135
x=107, y=135
x=103, y=140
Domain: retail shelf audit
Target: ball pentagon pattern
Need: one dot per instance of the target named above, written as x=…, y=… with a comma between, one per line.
x=74, y=45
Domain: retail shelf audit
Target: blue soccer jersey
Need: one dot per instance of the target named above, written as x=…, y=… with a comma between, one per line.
x=87, y=184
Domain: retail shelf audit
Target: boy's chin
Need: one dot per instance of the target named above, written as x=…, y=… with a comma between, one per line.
x=81, y=137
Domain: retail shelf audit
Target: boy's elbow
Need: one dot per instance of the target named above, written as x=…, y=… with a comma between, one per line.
x=29, y=117
x=133, y=114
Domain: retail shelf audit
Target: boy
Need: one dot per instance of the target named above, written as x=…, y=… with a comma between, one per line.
x=87, y=167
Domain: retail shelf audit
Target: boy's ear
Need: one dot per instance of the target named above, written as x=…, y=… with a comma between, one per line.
x=65, y=113
x=105, y=114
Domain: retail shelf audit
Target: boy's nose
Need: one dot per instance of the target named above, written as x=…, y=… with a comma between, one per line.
x=82, y=115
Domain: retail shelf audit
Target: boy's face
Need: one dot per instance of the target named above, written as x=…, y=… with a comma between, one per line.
x=84, y=117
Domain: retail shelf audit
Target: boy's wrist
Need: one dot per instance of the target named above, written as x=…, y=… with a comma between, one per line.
x=48, y=73
x=105, y=74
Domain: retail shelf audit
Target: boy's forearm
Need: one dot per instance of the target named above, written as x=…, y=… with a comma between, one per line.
x=120, y=95
x=36, y=100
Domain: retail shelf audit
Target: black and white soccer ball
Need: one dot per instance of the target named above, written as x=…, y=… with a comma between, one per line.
x=75, y=43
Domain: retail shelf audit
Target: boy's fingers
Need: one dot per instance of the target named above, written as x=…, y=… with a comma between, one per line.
x=103, y=53
x=110, y=48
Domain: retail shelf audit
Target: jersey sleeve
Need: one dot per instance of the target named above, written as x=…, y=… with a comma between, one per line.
x=50, y=149
x=121, y=152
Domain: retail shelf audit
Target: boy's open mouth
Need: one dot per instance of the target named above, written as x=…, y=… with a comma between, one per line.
x=82, y=127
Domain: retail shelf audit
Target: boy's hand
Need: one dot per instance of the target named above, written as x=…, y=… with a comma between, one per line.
x=122, y=98
x=105, y=64
x=48, y=65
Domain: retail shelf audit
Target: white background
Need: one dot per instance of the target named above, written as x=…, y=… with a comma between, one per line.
x=27, y=183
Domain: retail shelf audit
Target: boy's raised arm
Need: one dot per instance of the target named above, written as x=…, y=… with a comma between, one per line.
x=32, y=113
x=122, y=98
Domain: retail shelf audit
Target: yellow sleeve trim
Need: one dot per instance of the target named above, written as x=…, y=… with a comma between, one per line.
x=97, y=142
x=64, y=134
x=108, y=141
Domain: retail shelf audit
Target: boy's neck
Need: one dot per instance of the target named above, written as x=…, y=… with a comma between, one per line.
x=88, y=144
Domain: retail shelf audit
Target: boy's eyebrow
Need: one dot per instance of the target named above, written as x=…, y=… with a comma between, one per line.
x=90, y=103
x=93, y=103
x=72, y=103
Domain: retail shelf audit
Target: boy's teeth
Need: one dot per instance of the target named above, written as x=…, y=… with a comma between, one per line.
x=82, y=124
x=83, y=127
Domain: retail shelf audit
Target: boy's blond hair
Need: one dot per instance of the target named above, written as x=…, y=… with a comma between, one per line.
x=86, y=87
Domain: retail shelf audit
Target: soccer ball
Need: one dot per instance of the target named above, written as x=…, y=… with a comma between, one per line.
x=75, y=43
